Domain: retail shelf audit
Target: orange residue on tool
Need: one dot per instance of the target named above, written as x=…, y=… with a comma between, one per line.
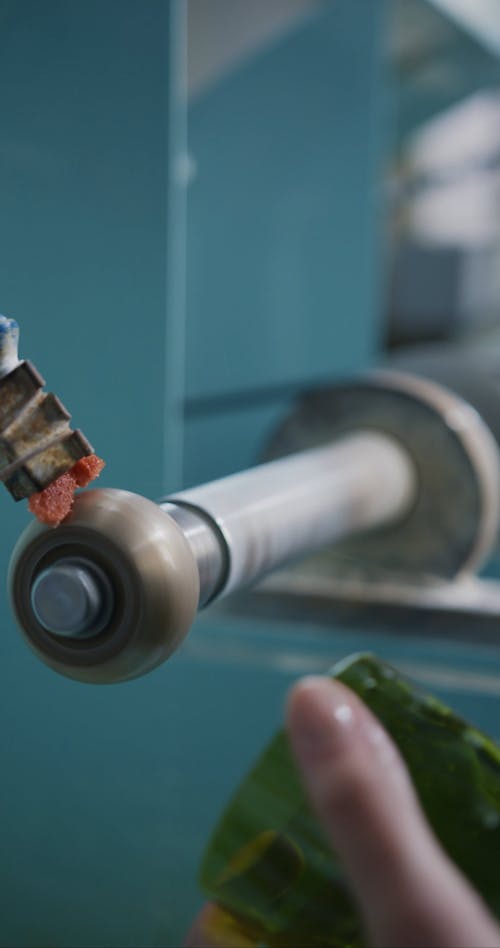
x=54, y=503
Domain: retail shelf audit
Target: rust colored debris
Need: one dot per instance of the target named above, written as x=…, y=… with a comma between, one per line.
x=53, y=504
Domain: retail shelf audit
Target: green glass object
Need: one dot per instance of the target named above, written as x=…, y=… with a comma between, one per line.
x=268, y=863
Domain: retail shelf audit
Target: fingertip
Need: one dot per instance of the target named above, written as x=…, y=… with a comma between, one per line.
x=321, y=714
x=303, y=690
x=313, y=694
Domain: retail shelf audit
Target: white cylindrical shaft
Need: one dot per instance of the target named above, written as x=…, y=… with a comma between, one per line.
x=298, y=504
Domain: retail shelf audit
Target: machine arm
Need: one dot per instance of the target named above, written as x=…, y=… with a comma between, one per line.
x=113, y=590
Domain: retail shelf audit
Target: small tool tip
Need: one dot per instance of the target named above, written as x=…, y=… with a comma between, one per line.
x=8, y=325
x=9, y=336
x=9, y=333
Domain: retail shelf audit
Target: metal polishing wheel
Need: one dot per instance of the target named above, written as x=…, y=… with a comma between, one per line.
x=108, y=595
x=392, y=471
x=454, y=520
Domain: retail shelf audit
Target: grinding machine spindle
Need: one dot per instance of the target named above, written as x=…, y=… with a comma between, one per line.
x=394, y=467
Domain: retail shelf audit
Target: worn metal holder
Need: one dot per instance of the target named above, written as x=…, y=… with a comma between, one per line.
x=37, y=444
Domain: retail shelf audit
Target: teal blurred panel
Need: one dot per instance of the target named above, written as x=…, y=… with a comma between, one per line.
x=86, y=208
x=282, y=225
x=84, y=96
x=230, y=437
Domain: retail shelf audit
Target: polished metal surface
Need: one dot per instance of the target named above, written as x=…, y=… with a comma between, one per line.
x=163, y=562
x=454, y=520
x=296, y=505
x=149, y=566
x=207, y=544
x=72, y=598
x=410, y=456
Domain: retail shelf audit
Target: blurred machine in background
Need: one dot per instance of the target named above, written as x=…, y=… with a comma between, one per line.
x=313, y=185
x=444, y=181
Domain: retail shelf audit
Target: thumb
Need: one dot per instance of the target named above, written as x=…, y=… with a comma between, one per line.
x=409, y=892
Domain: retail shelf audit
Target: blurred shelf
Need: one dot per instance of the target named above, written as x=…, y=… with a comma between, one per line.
x=479, y=19
x=441, y=52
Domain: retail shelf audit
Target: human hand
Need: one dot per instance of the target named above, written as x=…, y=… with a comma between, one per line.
x=409, y=892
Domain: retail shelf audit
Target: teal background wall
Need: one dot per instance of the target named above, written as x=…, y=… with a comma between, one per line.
x=84, y=189
x=176, y=323
x=88, y=114
x=283, y=231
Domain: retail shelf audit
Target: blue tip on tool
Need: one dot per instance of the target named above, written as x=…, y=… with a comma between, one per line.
x=9, y=339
